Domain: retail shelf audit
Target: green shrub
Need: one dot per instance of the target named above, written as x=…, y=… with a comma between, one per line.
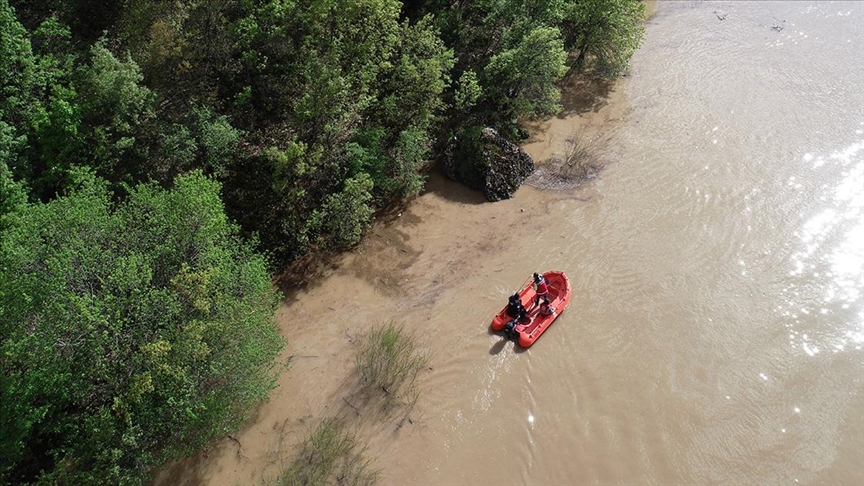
x=347, y=214
x=388, y=361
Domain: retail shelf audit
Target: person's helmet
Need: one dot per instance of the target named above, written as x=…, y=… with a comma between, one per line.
x=536, y=276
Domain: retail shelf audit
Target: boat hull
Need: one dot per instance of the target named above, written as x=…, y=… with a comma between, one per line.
x=535, y=324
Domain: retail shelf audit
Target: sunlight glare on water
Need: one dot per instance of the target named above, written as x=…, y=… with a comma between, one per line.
x=832, y=253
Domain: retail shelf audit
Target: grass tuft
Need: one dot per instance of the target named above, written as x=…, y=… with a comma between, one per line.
x=330, y=455
x=387, y=362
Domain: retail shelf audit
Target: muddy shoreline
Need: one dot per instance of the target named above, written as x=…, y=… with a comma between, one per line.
x=403, y=269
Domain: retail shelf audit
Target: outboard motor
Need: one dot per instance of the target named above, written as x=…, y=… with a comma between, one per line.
x=510, y=330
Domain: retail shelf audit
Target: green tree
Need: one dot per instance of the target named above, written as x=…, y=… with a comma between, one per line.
x=129, y=334
x=409, y=99
x=56, y=139
x=203, y=140
x=335, y=89
x=12, y=193
x=18, y=85
x=523, y=80
x=216, y=138
x=605, y=33
x=509, y=59
x=294, y=198
x=39, y=116
x=505, y=42
x=468, y=92
x=114, y=108
x=346, y=215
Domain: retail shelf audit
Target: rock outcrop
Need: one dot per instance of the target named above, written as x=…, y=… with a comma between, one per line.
x=484, y=160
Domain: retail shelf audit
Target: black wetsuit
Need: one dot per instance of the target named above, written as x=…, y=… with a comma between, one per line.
x=515, y=308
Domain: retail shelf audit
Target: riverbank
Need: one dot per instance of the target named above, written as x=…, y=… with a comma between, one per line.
x=447, y=247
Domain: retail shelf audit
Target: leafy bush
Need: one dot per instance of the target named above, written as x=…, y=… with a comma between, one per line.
x=114, y=107
x=129, y=334
x=12, y=195
x=216, y=137
x=346, y=215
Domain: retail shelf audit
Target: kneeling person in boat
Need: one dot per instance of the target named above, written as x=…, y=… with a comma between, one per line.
x=546, y=308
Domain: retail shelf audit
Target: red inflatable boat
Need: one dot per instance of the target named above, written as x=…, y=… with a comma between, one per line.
x=526, y=330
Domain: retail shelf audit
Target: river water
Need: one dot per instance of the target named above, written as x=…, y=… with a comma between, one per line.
x=716, y=330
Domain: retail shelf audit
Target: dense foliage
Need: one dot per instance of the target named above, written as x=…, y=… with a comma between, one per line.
x=131, y=332
x=299, y=119
x=314, y=113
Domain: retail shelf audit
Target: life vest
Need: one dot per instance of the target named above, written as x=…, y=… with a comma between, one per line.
x=541, y=286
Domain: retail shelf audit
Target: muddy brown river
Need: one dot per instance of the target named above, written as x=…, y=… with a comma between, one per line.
x=716, y=330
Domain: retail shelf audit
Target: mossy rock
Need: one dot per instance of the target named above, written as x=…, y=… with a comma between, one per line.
x=484, y=160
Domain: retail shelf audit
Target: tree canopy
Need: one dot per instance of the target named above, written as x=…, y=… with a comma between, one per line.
x=131, y=333
x=285, y=101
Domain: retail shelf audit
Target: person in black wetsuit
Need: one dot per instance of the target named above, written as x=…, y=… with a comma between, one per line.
x=515, y=309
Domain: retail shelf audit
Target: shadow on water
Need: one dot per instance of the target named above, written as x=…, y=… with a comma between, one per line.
x=583, y=94
x=184, y=471
x=384, y=252
x=306, y=273
x=380, y=257
x=198, y=468
x=441, y=185
x=502, y=343
x=499, y=346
